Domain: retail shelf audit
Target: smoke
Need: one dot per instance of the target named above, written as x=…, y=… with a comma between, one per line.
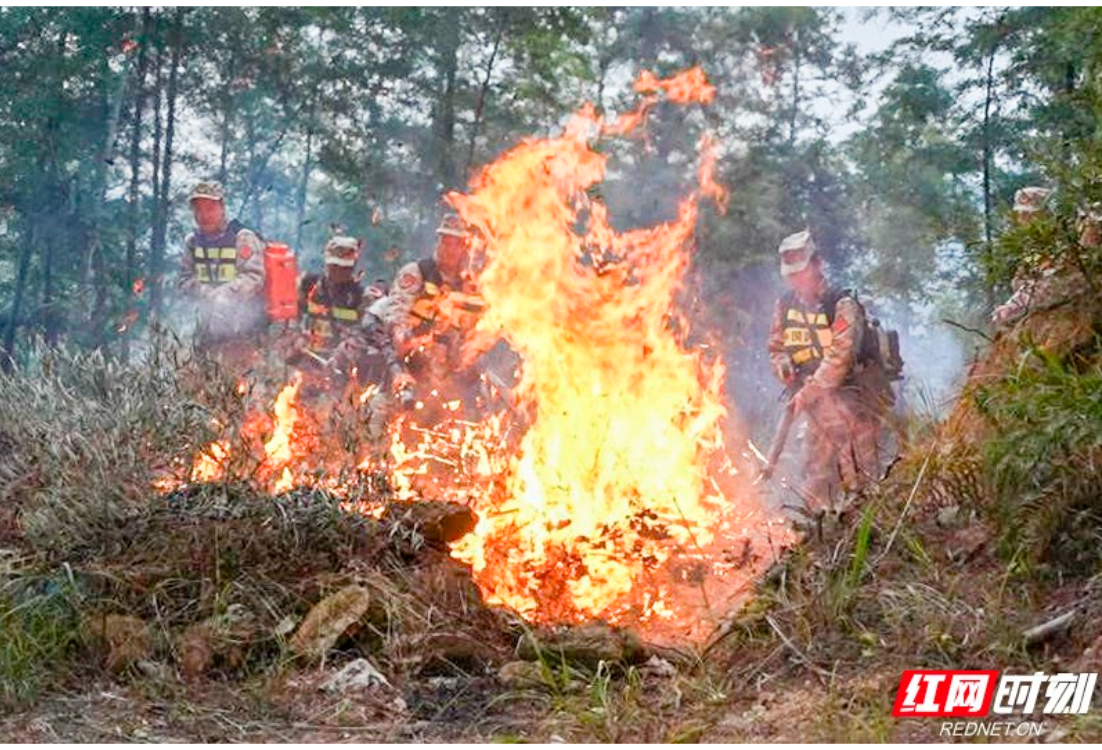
x=227, y=315
x=218, y=316
x=936, y=359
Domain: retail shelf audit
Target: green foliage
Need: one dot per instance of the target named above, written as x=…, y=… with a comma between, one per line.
x=861, y=547
x=38, y=629
x=1043, y=460
x=1022, y=248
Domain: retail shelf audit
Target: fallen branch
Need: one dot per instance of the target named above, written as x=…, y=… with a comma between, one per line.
x=1046, y=630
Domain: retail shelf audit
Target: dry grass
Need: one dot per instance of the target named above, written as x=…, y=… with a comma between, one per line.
x=217, y=573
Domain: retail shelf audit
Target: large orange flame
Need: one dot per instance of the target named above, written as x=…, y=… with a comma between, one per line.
x=602, y=482
x=613, y=480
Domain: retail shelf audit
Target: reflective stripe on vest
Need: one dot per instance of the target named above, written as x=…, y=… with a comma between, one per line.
x=321, y=320
x=806, y=335
x=215, y=265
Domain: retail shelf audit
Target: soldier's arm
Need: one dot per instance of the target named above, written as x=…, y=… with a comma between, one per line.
x=778, y=357
x=841, y=355
x=305, y=287
x=378, y=337
x=186, y=281
x=404, y=292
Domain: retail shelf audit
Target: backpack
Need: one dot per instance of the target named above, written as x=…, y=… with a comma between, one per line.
x=878, y=344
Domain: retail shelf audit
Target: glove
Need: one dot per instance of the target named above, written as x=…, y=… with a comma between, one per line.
x=1004, y=314
x=349, y=350
x=402, y=386
x=784, y=370
x=291, y=345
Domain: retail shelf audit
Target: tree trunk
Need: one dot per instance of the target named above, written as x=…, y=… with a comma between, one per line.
x=160, y=228
x=254, y=194
x=97, y=277
x=134, y=193
x=227, y=118
x=444, y=168
x=988, y=152
x=795, y=90
x=258, y=165
x=49, y=324
x=483, y=91
x=158, y=88
x=300, y=208
x=7, y=352
x=44, y=212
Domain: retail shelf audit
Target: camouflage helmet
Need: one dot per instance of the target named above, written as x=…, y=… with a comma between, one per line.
x=1030, y=200
x=796, y=251
x=451, y=225
x=342, y=251
x=209, y=190
x=1089, y=225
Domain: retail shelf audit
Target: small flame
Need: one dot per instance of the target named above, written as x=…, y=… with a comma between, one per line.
x=278, y=448
x=210, y=464
x=688, y=87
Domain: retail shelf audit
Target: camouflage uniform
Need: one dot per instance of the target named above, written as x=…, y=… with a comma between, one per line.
x=1034, y=285
x=814, y=346
x=331, y=311
x=341, y=342
x=1088, y=224
x=333, y=306
x=1043, y=279
x=1033, y=278
x=224, y=275
x=427, y=315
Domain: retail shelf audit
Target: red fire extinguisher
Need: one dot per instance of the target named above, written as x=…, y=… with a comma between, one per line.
x=280, y=282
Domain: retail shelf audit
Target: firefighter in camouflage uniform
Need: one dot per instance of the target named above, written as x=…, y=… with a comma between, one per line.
x=222, y=272
x=815, y=349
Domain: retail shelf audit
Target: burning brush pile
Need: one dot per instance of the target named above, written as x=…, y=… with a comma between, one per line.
x=597, y=484
x=215, y=576
x=602, y=483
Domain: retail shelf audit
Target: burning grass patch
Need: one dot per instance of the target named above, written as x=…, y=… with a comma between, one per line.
x=100, y=570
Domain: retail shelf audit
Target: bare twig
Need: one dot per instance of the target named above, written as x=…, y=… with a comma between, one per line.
x=819, y=671
x=1046, y=630
x=969, y=329
x=906, y=506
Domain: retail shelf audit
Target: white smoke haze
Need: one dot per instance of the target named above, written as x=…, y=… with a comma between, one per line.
x=936, y=361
